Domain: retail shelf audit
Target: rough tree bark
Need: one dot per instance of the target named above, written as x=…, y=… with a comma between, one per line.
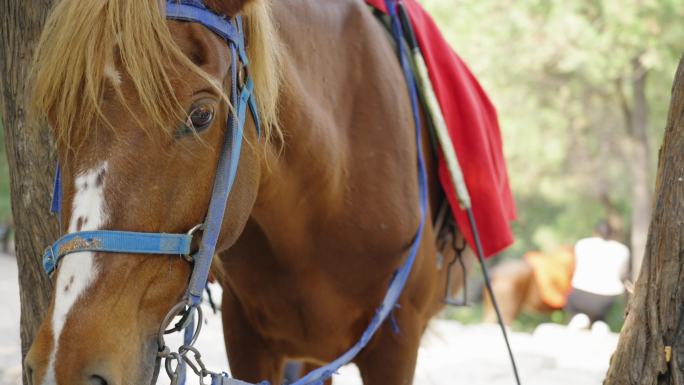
x=31, y=162
x=655, y=314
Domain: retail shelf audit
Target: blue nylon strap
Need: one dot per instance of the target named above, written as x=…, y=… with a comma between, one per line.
x=398, y=282
x=249, y=83
x=188, y=333
x=242, y=51
x=225, y=173
x=198, y=13
x=227, y=167
x=243, y=103
x=253, y=107
x=116, y=242
x=223, y=182
x=56, y=205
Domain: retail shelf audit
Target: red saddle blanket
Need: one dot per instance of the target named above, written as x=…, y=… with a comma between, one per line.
x=474, y=130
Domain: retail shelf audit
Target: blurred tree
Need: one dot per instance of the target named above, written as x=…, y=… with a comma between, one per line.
x=579, y=86
x=5, y=210
x=30, y=159
x=651, y=346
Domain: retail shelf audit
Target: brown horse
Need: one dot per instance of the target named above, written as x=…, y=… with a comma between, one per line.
x=321, y=213
x=538, y=282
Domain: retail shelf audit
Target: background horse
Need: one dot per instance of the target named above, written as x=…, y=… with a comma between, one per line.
x=320, y=215
x=538, y=282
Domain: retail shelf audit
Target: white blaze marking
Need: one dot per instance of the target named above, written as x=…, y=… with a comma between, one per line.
x=113, y=74
x=77, y=271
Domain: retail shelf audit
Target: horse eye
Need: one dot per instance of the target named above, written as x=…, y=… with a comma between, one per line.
x=200, y=117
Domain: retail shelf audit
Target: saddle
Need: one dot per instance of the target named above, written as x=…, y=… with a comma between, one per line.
x=473, y=129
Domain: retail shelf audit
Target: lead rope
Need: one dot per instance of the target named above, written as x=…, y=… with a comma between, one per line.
x=488, y=284
x=452, y=160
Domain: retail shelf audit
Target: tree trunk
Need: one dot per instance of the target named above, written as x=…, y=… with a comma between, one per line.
x=31, y=162
x=640, y=166
x=655, y=315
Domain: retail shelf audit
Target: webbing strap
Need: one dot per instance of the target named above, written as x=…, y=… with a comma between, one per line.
x=223, y=182
x=196, y=12
x=56, y=205
x=114, y=242
x=398, y=282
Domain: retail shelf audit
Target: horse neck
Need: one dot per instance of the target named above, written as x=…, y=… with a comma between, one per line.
x=304, y=184
x=324, y=176
x=304, y=170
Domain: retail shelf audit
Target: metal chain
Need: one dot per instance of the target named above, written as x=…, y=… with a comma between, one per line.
x=173, y=373
x=181, y=357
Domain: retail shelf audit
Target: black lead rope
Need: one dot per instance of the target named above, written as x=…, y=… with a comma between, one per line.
x=413, y=44
x=488, y=284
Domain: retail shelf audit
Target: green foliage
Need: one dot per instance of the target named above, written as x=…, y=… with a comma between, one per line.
x=466, y=315
x=558, y=72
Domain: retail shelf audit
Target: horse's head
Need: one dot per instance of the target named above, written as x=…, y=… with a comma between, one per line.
x=139, y=109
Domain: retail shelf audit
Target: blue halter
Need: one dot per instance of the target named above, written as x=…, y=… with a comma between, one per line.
x=179, y=244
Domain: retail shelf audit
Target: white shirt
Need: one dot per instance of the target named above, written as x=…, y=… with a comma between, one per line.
x=600, y=265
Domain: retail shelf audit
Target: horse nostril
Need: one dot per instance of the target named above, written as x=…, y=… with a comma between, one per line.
x=97, y=380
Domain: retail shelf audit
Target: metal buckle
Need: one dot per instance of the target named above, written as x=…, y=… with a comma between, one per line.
x=241, y=76
x=182, y=309
x=196, y=228
x=191, y=233
x=49, y=256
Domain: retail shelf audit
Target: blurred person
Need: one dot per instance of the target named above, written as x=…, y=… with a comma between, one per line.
x=601, y=265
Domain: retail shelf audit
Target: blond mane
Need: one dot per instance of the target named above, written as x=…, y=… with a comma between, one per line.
x=79, y=40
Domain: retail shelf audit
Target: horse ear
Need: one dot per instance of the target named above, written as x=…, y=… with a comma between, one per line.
x=227, y=7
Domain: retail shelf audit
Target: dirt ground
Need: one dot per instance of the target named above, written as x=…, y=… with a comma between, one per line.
x=450, y=354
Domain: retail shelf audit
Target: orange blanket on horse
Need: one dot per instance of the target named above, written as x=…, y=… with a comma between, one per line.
x=474, y=130
x=553, y=275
